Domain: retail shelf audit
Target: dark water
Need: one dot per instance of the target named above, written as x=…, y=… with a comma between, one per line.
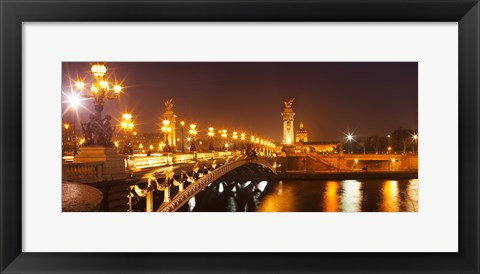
x=308, y=196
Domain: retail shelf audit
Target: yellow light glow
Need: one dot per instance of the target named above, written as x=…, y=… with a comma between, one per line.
x=99, y=70
x=130, y=125
x=193, y=126
x=210, y=129
x=94, y=89
x=166, y=122
x=127, y=116
x=66, y=126
x=104, y=84
x=182, y=123
x=79, y=85
x=123, y=124
x=117, y=88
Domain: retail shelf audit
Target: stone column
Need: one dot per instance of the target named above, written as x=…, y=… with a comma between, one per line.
x=288, y=131
x=149, y=206
x=166, y=197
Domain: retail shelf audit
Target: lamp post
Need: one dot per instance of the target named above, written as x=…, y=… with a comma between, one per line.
x=182, y=123
x=389, y=147
x=235, y=137
x=66, y=126
x=210, y=135
x=349, y=139
x=127, y=125
x=74, y=102
x=98, y=130
x=224, y=136
x=415, y=140
x=166, y=129
x=193, y=133
x=243, y=142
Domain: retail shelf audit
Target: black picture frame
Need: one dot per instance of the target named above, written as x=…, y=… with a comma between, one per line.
x=15, y=12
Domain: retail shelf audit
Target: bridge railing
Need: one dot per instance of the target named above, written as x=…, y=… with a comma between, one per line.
x=88, y=172
x=181, y=198
x=144, y=161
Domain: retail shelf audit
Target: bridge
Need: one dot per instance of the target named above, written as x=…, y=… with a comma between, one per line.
x=348, y=162
x=198, y=185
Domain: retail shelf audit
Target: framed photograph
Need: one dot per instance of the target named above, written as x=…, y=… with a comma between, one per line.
x=239, y=136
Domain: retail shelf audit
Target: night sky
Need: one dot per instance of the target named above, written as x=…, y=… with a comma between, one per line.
x=330, y=98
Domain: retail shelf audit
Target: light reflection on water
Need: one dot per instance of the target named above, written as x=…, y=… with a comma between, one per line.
x=313, y=196
x=343, y=196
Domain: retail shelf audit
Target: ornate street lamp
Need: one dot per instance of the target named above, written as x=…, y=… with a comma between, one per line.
x=65, y=139
x=127, y=125
x=243, y=143
x=210, y=135
x=235, y=137
x=98, y=130
x=166, y=129
x=74, y=101
x=224, y=136
x=182, y=123
x=193, y=133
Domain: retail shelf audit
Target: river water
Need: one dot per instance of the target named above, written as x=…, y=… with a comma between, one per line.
x=308, y=196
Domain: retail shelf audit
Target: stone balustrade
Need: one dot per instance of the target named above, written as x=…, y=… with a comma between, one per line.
x=88, y=172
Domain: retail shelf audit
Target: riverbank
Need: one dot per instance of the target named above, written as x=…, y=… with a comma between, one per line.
x=344, y=175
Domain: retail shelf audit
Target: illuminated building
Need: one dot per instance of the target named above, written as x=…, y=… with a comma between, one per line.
x=301, y=136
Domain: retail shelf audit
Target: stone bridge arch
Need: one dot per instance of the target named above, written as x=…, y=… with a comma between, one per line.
x=182, y=197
